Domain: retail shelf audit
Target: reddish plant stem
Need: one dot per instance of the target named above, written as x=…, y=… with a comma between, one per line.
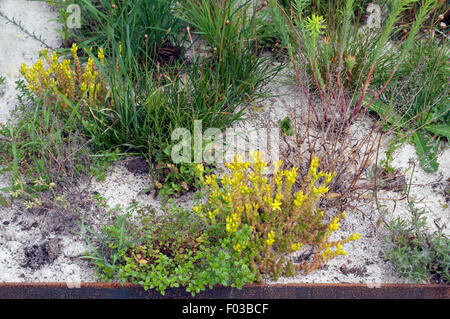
x=363, y=93
x=378, y=94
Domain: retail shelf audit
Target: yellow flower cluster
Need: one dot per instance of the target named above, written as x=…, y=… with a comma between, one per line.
x=276, y=204
x=334, y=225
x=238, y=247
x=296, y=246
x=232, y=223
x=299, y=199
x=62, y=82
x=291, y=176
x=270, y=238
x=314, y=174
x=284, y=204
x=328, y=253
x=212, y=215
x=354, y=236
x=238, y=164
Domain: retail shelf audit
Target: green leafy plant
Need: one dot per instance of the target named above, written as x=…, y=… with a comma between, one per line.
x=225, y=25
x=265, y=220
x=148, y=107
x=415, y=252
x=245, y=229
x=162, y=251
x=230, y=28
x=336, y=84
x=422, y=106
x=338, y=55
x=268, y=37
x=128, y=98
x=286, y=126
x=62, y=19
x=149, y=27
x=42, y=142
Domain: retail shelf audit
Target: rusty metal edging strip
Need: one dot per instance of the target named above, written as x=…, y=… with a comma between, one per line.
x=257, y=291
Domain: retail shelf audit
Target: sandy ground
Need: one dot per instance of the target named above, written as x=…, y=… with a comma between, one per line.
x=38, y=246
x=33, y=247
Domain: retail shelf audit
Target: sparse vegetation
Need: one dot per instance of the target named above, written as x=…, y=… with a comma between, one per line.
x=162, y=251
x=416, y=252
x=417, y=99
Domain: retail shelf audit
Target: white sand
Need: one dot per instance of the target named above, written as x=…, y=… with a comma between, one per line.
x=19, y=228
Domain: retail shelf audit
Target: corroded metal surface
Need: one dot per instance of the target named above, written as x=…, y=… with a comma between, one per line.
x=278, y=291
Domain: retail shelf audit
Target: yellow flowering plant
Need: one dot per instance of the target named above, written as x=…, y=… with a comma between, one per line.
x=67, y=80
x=279, y=219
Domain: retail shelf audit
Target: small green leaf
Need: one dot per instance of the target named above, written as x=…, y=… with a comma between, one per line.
x=426, y=150
x=439, y=129
x=286, y=126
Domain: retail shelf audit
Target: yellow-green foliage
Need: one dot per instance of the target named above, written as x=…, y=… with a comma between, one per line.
x=75, y=82
x=281, y=221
